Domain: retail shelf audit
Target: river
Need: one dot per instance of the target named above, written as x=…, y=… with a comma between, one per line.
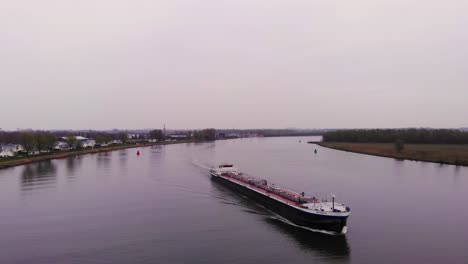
x=162, y=207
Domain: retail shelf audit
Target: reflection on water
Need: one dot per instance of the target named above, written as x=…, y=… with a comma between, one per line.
x=104, y=160
x=38, y=175
x=156, y=149
x=334, y=246
x=7, y=171
x=157, y=155
x=123, y=159
x=72, y=164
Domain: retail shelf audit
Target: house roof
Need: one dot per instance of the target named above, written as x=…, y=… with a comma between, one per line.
x=61, y=145
x=9, y=146
x=178, y=136
x=77, y=138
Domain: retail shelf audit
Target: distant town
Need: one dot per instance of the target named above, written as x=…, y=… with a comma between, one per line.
x=35, y=142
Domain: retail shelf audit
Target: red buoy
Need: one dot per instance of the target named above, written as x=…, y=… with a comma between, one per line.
x=138, y=153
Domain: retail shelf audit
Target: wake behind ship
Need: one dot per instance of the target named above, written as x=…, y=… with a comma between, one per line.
x=301, y=210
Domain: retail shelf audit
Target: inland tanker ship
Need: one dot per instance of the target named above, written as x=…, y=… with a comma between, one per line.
x=299, y=209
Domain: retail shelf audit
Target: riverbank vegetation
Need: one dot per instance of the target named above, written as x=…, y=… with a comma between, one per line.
x=445, y=146
x=204, y=135
x=439, y=153
x=272, y=132
x=412, y=135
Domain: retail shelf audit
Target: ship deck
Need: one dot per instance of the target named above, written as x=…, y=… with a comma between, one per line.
x=318, y=207
x=262, y=191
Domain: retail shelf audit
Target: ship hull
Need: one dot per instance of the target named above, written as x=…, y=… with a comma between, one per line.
x=291, y=213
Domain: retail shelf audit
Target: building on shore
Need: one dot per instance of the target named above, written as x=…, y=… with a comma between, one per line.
x=81, y=141
x=88, y=143
x=61, y=146
x=178, y=137
x=78, y=138
x=10, y=150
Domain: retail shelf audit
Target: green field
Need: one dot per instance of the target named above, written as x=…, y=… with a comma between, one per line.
x=439, y=153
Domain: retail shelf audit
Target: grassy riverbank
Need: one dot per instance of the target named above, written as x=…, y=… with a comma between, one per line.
x=5, y=163
x=439, y=153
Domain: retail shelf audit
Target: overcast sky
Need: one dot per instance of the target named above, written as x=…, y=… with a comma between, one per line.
x=99, y=64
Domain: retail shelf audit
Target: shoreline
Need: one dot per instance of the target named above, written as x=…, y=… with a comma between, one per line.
x=60, y=155
x=415, y=155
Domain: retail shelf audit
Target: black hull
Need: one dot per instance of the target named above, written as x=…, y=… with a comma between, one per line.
x=292, y=214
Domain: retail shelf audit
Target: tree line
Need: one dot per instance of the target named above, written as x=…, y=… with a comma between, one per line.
x=411, y=135
x=46, y=140
x=205, y=134
x=105, y=138
x=198, y=135
x=275, y=132
x=37, y=140
x=41, y=141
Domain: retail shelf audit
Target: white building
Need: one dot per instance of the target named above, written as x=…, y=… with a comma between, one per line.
x=178, y=137
x=6, y=152
x=10, y=150
x=78, y=138
x=82, y=141
x=61, y=146
x=88, y=143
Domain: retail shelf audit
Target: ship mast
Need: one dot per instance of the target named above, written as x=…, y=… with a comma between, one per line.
x=333, y=202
